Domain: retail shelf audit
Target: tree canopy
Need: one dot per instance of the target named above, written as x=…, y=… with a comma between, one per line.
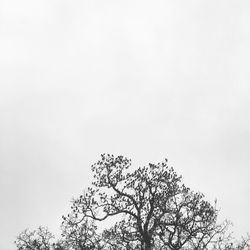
x=150, y=209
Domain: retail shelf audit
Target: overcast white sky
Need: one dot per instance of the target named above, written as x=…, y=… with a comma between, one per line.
x=146, y=79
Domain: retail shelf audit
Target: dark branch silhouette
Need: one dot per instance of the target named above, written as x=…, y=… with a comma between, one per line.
x=150, y=207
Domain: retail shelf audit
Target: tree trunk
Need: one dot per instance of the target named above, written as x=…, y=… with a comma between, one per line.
x=147, y=243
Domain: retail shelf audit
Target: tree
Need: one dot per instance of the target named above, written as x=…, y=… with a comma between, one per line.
x=39, y=239
x=227, y=242
x=151, y=208
x=157, y=208
x=80, y=235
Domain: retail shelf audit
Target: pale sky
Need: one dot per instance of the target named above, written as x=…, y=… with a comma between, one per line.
x=146, y=79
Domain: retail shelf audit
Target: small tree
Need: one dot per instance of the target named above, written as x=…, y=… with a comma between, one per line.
x=157, y=208
x=39, y=239
x=227, y=242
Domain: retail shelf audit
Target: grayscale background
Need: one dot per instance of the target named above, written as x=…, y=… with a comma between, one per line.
x=146, y=79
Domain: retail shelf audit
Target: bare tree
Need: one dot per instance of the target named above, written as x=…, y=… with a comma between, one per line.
x=39, y=239
x=227, y=242
x=151, y=208
x=157, y=209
